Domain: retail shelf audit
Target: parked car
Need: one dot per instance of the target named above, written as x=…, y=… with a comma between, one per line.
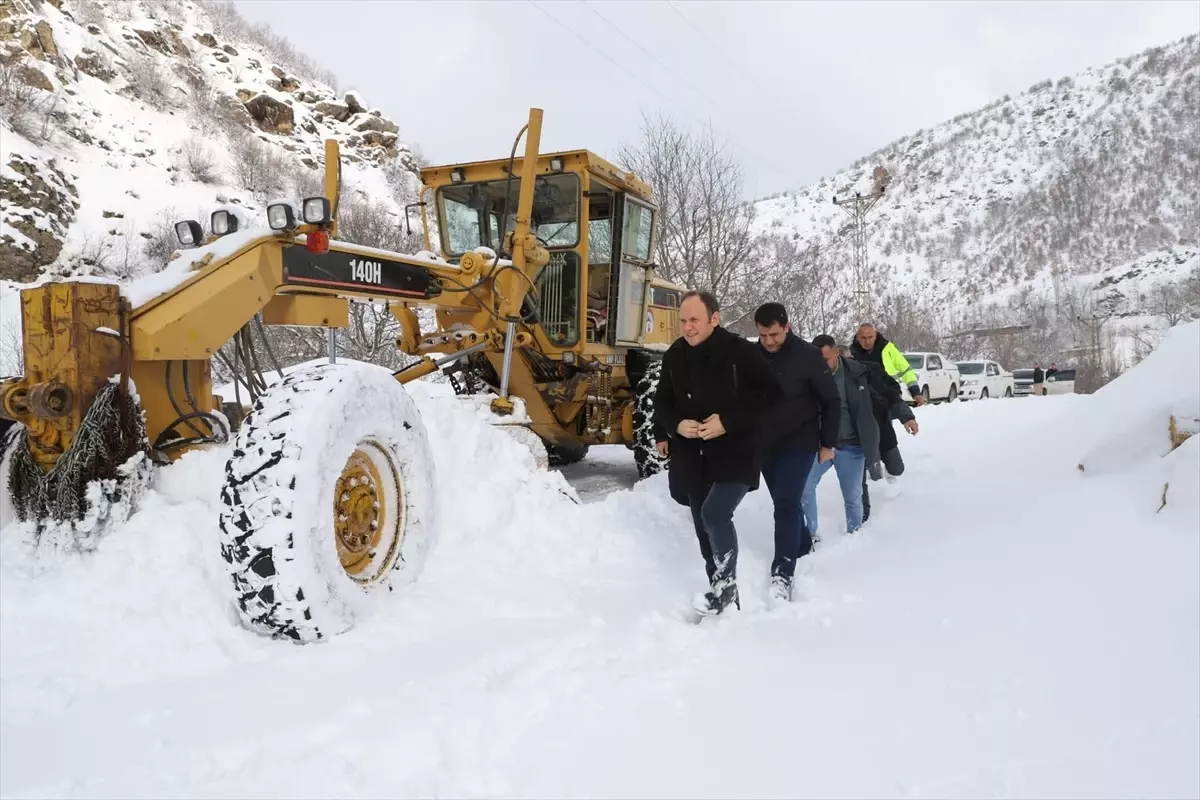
x=983, y=379
x=1061, y=382
x=1022, y=382
x=936, y=375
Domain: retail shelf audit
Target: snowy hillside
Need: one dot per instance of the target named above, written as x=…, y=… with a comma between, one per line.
x=1075, y=178
x=1019, y=628
x=120, y=117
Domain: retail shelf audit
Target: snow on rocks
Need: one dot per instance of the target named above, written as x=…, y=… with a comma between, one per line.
x=153, y=89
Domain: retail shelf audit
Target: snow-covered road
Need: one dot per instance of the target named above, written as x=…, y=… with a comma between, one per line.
x=1005, y=625
x=606, y=469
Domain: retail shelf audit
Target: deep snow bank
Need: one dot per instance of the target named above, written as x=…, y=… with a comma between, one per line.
x=1126, y=429
x=1003, y=626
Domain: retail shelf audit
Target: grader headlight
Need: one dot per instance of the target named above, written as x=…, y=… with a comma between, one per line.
x=189, y=233
x=281, y=217
x=316, y=211
x=222, y=222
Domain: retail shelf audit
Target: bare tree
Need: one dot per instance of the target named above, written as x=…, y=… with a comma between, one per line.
x=1168, y=301
x=199, y=162
x=907, y=322
x=257, y=167
x=704, y=236
x=798, y=276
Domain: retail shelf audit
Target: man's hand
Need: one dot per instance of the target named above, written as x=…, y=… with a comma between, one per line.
x=912, y=427
x=919, y=400
x=826, y=454
x=663, y=447
x=711, y=428
x=688, y=429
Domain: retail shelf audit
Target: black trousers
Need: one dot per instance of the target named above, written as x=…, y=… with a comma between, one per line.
x=712, y=514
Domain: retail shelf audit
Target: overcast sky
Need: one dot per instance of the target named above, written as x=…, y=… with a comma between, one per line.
x=798, y=89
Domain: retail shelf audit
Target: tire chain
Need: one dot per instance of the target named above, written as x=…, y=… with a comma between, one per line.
x=645, y=454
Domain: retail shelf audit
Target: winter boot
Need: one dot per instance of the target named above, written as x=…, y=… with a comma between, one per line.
x=781, y=588
x=716, y=600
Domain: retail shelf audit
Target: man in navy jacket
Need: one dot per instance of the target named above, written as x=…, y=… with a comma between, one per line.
x=798, y=432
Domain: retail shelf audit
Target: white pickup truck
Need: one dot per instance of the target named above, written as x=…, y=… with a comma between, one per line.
x=936, y=375
x=983, y=379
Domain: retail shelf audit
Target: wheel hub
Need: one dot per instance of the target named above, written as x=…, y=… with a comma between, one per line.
x=359, y=514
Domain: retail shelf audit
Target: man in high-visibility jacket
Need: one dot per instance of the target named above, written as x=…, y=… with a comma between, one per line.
x=871, y=345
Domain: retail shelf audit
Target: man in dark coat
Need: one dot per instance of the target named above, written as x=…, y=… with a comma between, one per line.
x=871, y=346
x=1039, y=379
x=858, y=435
x=888, y=403
x=800, y=430
x=714, y=389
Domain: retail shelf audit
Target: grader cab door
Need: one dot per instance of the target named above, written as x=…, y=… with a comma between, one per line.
x=630, y=288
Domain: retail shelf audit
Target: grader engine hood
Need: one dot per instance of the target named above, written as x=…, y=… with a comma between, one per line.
x=357, y=271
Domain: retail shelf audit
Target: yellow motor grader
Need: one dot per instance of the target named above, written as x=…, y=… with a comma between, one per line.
x=548, y=313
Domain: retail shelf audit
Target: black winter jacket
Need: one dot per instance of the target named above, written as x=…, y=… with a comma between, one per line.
x=889, y=404
x=808, y=416
x=725, y=375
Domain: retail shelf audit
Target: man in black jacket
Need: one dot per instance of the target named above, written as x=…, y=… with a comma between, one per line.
x=889, y=404
x=714, y=388
x=803, y=424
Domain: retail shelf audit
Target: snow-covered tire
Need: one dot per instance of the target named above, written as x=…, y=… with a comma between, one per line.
x=564, y=455
x=345, y=434
x=8, y=441
x=645, y=453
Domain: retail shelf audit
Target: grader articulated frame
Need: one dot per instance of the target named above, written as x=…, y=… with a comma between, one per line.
x=108, y=383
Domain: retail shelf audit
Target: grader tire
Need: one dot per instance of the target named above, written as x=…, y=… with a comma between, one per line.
x=645, y=453
x=564, y=455
x=9, y=435
x=328, y=501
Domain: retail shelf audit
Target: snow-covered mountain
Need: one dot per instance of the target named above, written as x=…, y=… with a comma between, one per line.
x=1067, y=183
x=119, y=117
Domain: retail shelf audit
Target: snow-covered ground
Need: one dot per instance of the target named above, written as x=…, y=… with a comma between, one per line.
x=1006, y=625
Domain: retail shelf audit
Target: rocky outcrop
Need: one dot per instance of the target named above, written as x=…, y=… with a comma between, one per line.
x=339, y=111
x=32, y=76
x=206, y=39
x=373, y=123
x=39, y=203
x=166, y=42
x=283, y=82
x=92, y=63
x=270, y=114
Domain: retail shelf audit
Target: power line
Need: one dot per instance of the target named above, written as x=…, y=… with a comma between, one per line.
x=670, y=101
x=736, y=65
x=711, y=43
x=653, y=57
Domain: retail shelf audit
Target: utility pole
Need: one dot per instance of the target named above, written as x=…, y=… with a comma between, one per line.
x=857, y=207
x=1093, y=324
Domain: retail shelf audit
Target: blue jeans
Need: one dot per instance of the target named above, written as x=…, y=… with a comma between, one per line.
x=712, y=514
x=786, y=474
x=849, y=463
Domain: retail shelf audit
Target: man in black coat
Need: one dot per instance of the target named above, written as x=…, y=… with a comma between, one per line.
x=714, y=389
x=889, y=404
x=800, y=430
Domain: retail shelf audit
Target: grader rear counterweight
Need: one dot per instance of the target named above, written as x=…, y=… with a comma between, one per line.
x=547, y=310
